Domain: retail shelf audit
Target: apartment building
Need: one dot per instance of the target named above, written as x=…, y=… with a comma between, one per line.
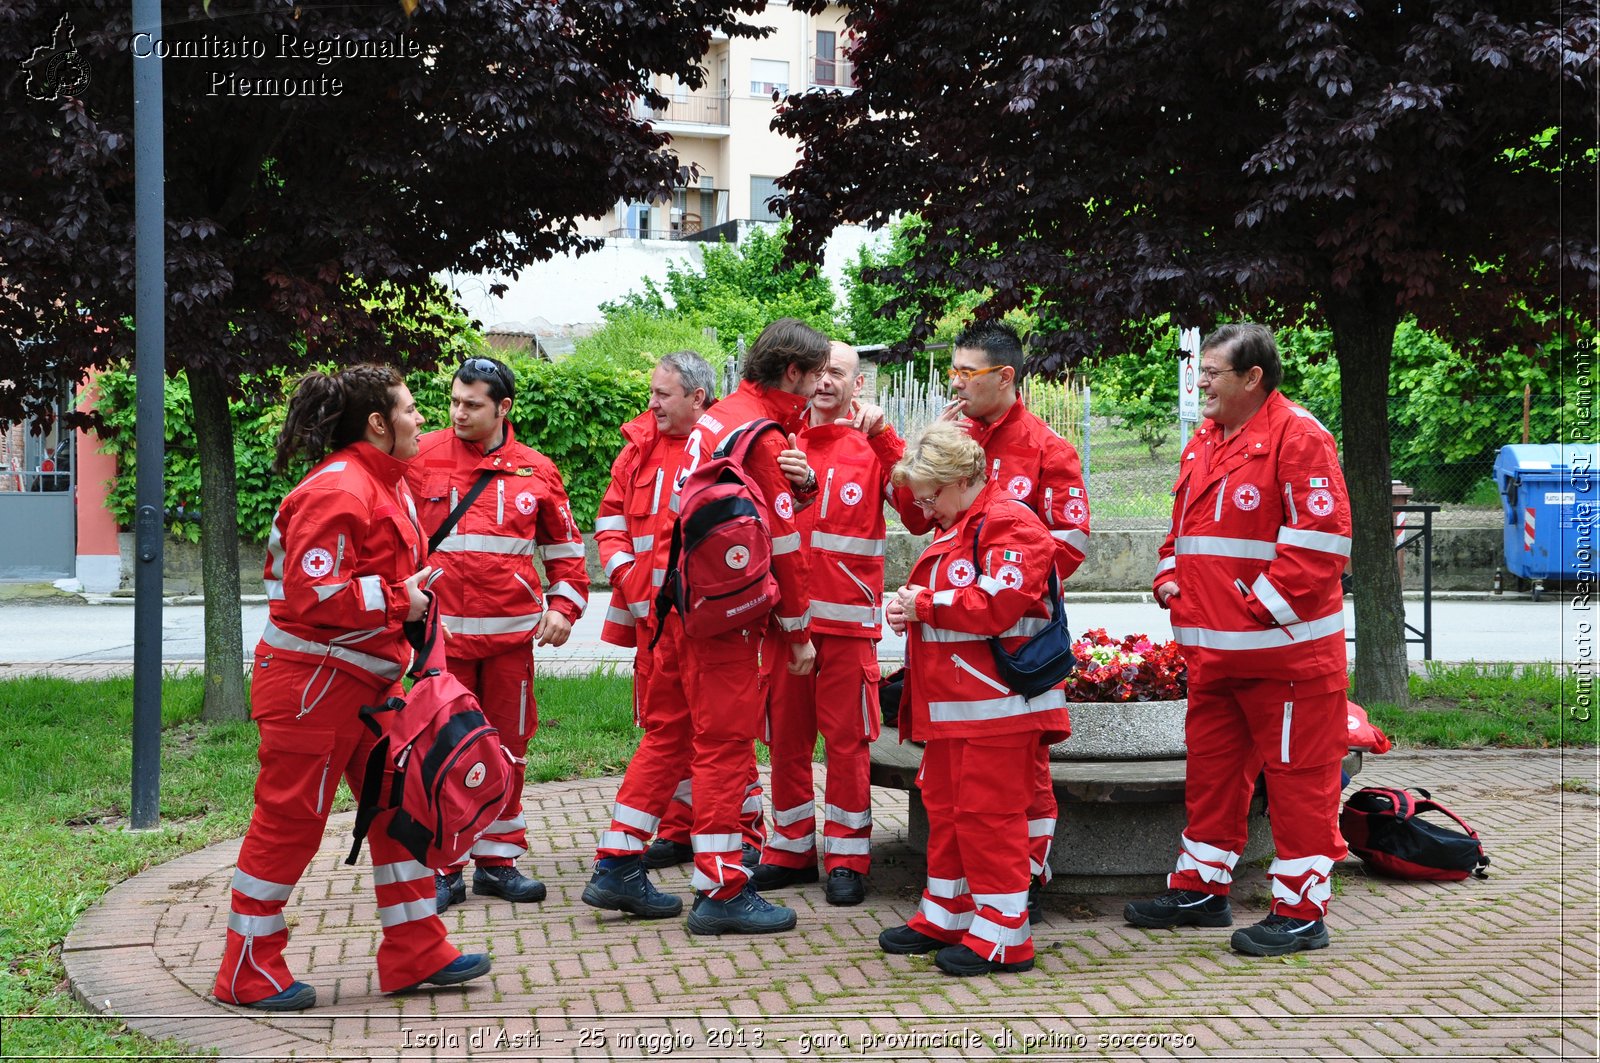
x=723, y=128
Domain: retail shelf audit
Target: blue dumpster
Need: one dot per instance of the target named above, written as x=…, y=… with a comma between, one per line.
x=1548, y=492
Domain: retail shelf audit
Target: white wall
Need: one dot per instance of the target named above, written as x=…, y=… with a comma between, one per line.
x=568, y=291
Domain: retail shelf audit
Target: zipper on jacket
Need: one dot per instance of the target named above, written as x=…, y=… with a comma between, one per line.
x=1288, y=719
x=1288, y=503
x=522, y=710
x=500, y=500
x=655, y=499
x=1222, y=493
x=965, y=667
x=827, y=489
x=864, y=588
x=338, y=557
x=1049, y=505
x=1182, y=512
x=452, y=498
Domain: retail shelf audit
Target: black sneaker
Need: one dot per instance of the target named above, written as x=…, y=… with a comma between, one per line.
x=508, y=884
x=298, y=997
x=663, y=853
x=1180, y=908
x=463, y=968
x=750, y=855
x=448, y=890
x=746, y=913
x=845, y=887
x=1277, y=935
x=904, y=941
x=777, y=877
x=964, y=963
x=627, y=888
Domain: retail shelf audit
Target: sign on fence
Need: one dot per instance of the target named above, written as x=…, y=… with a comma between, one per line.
x=1189, y=376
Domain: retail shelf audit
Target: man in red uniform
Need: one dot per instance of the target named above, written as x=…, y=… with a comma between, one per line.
x=490, y=595
x=634, y=531
x=727, y=677
x=847, y=450
x=1028, y=461
x=1250, y=570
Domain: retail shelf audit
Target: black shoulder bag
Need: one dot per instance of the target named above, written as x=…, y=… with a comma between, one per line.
x=460, y=511
x=1046, y=658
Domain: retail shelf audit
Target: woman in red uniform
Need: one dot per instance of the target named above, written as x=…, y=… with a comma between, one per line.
x=985, y=574
x=344, y=573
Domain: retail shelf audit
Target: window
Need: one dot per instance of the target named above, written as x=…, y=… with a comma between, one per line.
x=768, y=76
x=826, y=71
x=762, y=189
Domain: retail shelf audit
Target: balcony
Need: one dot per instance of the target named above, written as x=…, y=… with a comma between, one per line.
x=832, y=73
x=698, y=108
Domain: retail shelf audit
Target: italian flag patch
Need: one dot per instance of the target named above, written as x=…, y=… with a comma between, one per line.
x=1012, y=556
x=1319, y=481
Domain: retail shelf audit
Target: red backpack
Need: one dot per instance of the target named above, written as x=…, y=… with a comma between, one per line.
x=719, y=572
x=449, y=776
x=1380, y=825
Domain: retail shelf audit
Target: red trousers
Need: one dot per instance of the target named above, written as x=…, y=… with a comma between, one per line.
x=504, y=687
x=660, y=701
x=839, y=699
x=1295, y=733
x=1041, y=816
x=725, y=681
x=302, y=756
x=977, y=792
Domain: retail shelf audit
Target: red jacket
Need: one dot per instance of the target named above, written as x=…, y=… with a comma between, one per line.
x=1034, y=464
x=490, y=594
x=343, y=541
x=955, y=689
x=634, y=524
x=843, y=527
x=789, y=563
x=1266, y=509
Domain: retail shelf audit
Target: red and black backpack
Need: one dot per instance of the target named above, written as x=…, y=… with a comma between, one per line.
x=1380, y=825
x=719, y=571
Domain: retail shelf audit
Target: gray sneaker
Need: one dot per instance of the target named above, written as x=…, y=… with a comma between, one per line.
x=746, y=913
x=627, y=888
x=1278, y=935
x=1180, y=908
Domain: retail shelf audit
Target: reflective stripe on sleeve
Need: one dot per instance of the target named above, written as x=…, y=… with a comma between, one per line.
x=618, y=559
x=560, y=551
x=1076, y=538
x=785, y=544
x=1268, y=595
x=569, y=592
x=1326, y=542
x=614, y=523
x=372, y=593
x=865, y=615
x=795, y=623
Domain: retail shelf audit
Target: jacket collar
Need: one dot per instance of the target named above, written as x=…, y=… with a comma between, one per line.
x=958, y=532
x=642, y=430
x=782, y=406
x=384, y=467
x=984, y=432
x=1253, y=439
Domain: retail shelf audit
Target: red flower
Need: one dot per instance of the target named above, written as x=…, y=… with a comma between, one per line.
x=1128, y=669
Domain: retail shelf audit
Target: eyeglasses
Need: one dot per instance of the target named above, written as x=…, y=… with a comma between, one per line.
x=1207, y=374
x=965, y=375
x=486, y=367
x=932, y=500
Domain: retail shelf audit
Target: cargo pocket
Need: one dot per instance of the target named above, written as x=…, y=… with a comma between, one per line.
x=871, y=717
x=298, y=776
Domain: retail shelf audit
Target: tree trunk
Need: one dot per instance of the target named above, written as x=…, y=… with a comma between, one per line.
x=1363, y=322
x=225, y=697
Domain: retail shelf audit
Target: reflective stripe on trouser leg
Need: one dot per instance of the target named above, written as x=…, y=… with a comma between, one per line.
x=847, y=716
x=1041, y=816
x=792, y=720
x=994, y=786
x=1221, y=772
x=660, y=764
x=504, y=688
x=946, y=908
x=726, y=677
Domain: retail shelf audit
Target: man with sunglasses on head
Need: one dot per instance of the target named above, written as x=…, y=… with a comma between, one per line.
x=1030, y=462
x=499, y=502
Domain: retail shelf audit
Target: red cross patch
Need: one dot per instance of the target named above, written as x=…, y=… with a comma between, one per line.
x=1020, y=487
x=526, y=503
x=316, y=562
x=1010, y=575
x=961, y=573
x=1320, y=502
x=1247, y=496
x=784, y=504
x=1075, y=511
x=736, y=557
x=850, y=494
x=475, y=776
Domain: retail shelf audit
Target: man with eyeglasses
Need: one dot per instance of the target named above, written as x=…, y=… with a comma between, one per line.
x=1028, y=460
x=504, y=501
x=845, y=452
x=1250, y=571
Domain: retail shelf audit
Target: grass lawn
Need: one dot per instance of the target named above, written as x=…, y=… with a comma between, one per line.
x=65, y=756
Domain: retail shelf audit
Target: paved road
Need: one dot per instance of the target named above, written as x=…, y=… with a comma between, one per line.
x=1482, y=629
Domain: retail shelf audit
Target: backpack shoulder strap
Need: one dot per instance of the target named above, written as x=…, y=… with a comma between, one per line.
x=740, y=440
x=1429, y=805
x=461, y=508
x=367, y=807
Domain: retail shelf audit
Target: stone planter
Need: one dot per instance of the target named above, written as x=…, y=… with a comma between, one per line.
x=1123, y=730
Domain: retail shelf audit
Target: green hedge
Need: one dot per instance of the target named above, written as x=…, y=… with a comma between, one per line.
x=569, y=412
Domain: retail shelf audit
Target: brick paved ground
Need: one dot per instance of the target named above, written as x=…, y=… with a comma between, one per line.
x=1485, y=969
